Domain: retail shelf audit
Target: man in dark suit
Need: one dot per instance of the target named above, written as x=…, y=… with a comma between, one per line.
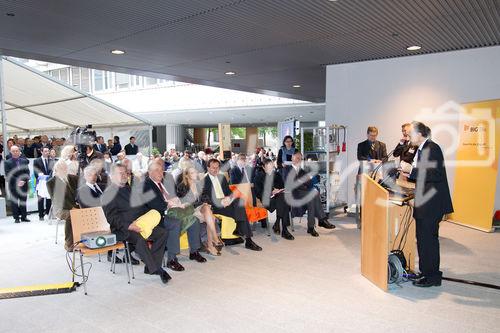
x=17, y=175
x=301, y=193
x=157, y=192
x=241, y=173
x=100, y=146
x=92, y=154
x=269, y=188
x=200, y=163
x=131, y=148
x=121, y=216
x=89, y=193
x=432, y=202
x=216, y=193
x=62, y=188
x=42, y=167
x=405, y=150
x=44, y=142
x=371, y=149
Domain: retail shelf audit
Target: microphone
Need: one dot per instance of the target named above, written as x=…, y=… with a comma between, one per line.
x=384, y=160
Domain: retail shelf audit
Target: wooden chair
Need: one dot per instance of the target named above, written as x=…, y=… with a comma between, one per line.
x=90, y=220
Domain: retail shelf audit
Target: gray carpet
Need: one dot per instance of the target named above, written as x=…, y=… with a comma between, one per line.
x=310, y=284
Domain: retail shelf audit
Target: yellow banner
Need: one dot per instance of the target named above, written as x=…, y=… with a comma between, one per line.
x=476, y=165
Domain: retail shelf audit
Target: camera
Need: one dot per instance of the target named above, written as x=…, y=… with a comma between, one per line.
x=82, y=137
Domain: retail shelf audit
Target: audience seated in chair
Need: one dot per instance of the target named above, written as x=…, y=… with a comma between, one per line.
x=189, y=190
x=217, y=194
x=158, y=192
x=122, y=218
x=269, y=188
x=298, y=185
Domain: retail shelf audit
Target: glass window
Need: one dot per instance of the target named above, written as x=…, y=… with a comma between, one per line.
x=85, y=79
x=150, y=81
x=75, y=77
x=122, y=81
x=64, y=72
x=98, y=80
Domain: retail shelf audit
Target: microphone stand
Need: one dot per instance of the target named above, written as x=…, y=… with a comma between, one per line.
x=384, y=160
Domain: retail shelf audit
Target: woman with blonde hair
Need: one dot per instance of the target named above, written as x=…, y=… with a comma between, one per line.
x=189, y=192
x=68, y=155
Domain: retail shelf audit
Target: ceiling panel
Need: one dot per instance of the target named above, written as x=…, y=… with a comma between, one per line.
x=270, y=44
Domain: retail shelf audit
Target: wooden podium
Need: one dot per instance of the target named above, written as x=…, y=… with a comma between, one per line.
x=381, y=220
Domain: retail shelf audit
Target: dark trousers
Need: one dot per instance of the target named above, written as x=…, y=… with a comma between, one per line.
x=279, y=204
x=152, y=257
x=314, y=208
x=173, y=227
x=236, y=210
x=18, y=202
x=2, y=186
x=427, y=230
x=43, y=206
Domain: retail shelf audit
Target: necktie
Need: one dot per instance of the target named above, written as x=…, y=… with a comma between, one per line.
x=97, y=190
x=219, y=194
x=45, y=166
x=163, y=191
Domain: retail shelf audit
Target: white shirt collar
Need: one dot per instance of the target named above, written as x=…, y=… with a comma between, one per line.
x=422, y=144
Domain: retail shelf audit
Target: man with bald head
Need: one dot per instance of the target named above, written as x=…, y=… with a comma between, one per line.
x=17, y=176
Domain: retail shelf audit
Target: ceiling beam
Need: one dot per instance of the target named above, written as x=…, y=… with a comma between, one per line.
x=48, y=103
x=16, y=106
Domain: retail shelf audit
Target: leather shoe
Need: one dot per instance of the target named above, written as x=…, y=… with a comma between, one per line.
x=134, y=261
x=175, y=266
x=25, y=220
x=165, y=277
x=326, y=224
x=17, y=221
x=197, y=256
x=249, y=244
x=276, y=227
x=286, y=234
x=313, y=232
x=415, y=277
x=117, y=260
x=425, y=283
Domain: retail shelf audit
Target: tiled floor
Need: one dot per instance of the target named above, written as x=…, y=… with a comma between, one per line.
x=310, y=284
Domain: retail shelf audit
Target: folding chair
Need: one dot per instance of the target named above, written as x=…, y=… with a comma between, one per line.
x=90, y=220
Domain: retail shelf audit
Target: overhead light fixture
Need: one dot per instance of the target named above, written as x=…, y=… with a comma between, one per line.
x=230, y=73
x=117, y=52
x=296, y=86
x=414, y=48
x=301, y=116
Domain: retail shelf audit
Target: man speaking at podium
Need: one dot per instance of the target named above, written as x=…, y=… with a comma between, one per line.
x=432, y=202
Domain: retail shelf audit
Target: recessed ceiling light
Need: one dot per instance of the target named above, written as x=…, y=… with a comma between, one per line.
x=414, y=48
x=296, y=86
x=301, y=116
x=118, y=52
x=230, y=73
